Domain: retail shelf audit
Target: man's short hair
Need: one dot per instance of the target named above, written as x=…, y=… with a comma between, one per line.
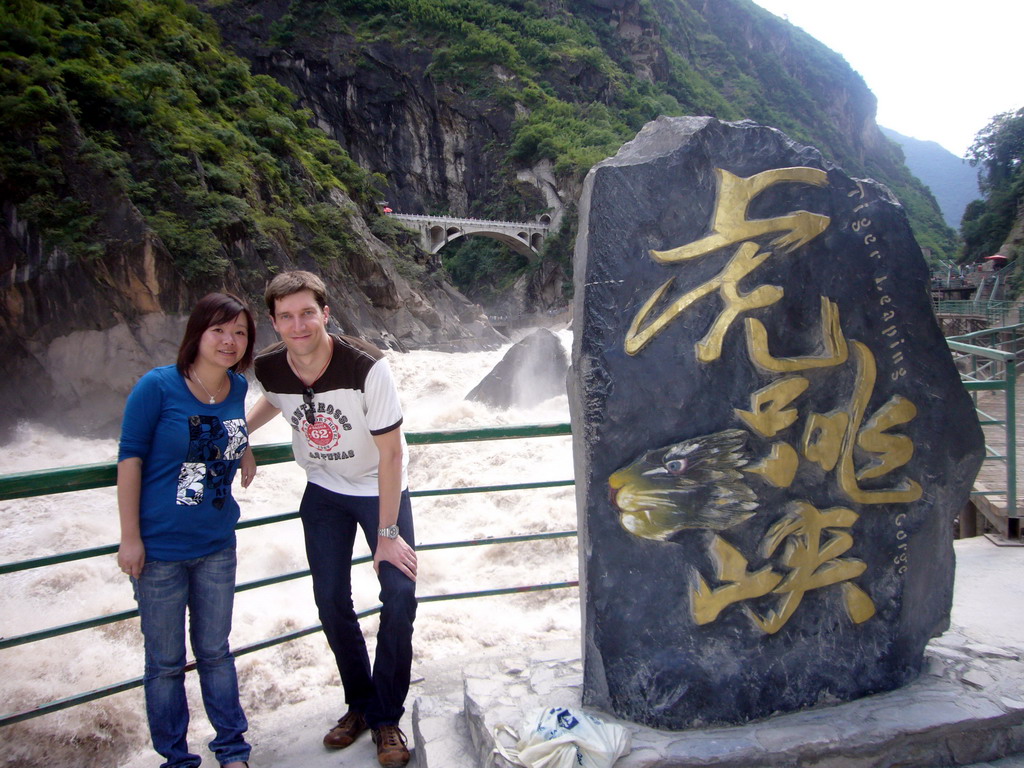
x=288, y=283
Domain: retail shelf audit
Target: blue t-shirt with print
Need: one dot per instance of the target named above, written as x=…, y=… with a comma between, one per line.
x=190, y=451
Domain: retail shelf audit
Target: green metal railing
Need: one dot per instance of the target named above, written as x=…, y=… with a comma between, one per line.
x=28, y=484
x=994, y=313
x=987, y=361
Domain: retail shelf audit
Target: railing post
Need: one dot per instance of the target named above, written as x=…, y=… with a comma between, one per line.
x=974, y=375
x=1011, y=438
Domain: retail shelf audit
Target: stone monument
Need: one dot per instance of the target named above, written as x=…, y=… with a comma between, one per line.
x=771, y=440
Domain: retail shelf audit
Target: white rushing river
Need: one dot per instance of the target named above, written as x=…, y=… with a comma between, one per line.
x=109, y=731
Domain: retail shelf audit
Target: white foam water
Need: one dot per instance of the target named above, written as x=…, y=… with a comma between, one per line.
x=112, y=730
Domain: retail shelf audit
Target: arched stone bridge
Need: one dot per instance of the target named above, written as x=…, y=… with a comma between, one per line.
x=437, y=231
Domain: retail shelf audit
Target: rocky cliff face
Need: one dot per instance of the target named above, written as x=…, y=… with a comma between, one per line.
x=818, y=91
x=75, y=334
x=438, y=147
x=81, y=328
x=443, y=146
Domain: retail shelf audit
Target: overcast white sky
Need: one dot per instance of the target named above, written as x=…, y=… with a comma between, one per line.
x=941, y=69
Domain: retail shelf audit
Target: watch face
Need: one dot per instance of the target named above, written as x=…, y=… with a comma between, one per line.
x=390, y=532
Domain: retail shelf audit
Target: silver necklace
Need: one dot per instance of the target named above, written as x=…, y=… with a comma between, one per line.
x=213, y=398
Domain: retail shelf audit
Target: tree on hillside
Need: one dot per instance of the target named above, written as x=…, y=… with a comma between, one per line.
x=988, y=223
x=999, y=148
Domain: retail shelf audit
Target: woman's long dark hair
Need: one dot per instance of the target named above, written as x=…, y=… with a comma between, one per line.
x=214, y=309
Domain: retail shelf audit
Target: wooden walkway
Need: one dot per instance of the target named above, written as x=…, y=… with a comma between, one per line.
x=992, y=514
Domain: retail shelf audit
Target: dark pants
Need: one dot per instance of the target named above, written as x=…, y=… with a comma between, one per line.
x=329, y=523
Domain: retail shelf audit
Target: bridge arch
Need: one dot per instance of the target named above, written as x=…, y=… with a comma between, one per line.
x=519, y=245
x=525, y=238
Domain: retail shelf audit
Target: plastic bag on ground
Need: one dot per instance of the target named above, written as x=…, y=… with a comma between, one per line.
x=560, y=737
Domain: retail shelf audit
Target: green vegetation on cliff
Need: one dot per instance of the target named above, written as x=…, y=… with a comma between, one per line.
x=141, y=95
x=579, y=86
x=995, y=224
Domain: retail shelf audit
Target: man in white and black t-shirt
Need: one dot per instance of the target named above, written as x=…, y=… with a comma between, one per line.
x=338, y=395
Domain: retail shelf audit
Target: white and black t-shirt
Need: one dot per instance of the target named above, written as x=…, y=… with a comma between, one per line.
x=354, y=399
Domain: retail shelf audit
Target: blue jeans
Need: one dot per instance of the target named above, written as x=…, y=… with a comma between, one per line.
x=329, y=522
x=163, y=590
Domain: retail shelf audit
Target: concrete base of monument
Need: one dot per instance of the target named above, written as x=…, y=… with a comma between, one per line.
x=966, y=708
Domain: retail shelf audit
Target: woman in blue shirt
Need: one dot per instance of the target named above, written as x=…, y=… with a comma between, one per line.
x=182, y=439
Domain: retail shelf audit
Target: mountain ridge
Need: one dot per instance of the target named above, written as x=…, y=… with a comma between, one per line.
x=951, y=179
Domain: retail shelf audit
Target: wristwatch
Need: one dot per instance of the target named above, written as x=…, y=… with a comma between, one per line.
x=391, y=532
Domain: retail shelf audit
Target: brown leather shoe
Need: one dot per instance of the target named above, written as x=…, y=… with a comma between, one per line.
x=391, y=749
x=346, y=731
